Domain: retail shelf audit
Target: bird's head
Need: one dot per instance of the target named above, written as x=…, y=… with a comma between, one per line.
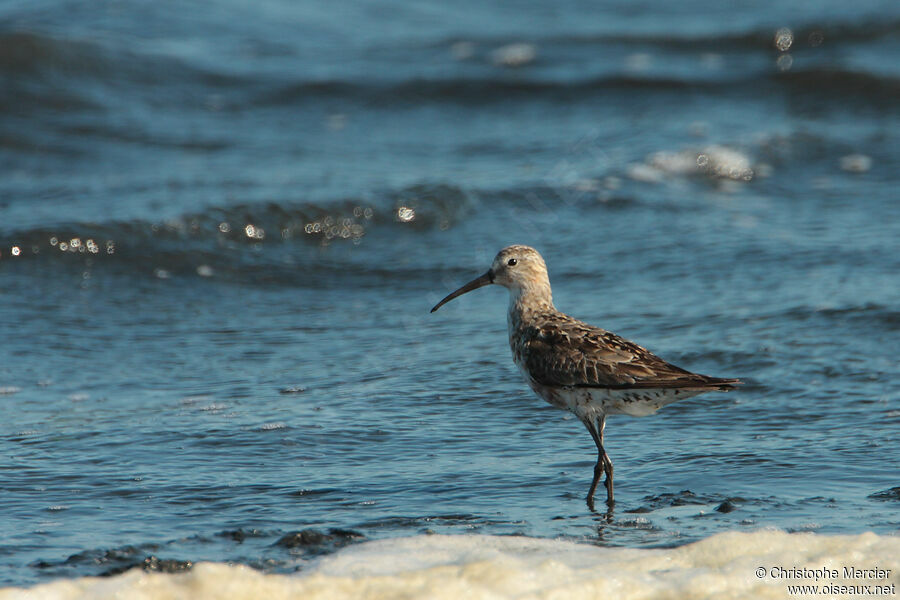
x=517, y=268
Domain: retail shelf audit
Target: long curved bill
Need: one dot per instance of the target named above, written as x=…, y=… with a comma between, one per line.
x=486, y=279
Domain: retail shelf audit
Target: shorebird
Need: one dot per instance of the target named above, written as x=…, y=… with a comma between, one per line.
x=578, y=367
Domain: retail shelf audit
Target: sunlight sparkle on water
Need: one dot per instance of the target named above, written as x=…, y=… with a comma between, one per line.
x=406, y=214
x=254, y=232
x=784, y=38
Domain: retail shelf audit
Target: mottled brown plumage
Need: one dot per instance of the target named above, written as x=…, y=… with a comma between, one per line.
x=575, y=366
x=561, y=351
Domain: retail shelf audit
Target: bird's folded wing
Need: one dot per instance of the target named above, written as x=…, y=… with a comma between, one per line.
x=573, y=353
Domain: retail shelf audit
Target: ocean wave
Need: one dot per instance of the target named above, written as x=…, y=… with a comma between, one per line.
x=762, y=564
x=881, y=315
x=44, y=71
x=824, y=83
x=26, y=50
x=833, y=82
x=29, y=52
x=49, y=71
x=806, y=35
x=474, y=89
x=257, y=240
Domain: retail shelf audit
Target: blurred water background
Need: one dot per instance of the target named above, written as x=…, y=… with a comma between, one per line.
x=223, y=223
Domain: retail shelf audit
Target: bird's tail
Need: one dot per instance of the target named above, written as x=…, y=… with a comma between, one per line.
x=723, y=384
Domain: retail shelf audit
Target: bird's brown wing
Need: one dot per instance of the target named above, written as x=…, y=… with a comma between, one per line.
x=560, y=351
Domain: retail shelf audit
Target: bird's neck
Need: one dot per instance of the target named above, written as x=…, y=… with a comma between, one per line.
x=526, y=302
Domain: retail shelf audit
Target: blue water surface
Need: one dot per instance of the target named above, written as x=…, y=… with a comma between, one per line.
x=222, y=227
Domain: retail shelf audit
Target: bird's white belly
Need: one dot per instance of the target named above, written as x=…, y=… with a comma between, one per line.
x=588, y=402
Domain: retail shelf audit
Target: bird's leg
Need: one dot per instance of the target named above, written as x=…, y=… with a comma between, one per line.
x=608, y=468
x=598, y=472
x=604, y=464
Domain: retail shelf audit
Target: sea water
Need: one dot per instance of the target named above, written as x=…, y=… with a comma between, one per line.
x=222, y=228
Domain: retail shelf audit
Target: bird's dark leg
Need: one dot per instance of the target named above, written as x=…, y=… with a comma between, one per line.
x=604, y=464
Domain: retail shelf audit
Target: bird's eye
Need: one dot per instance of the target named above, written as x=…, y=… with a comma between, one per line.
x=512, y=262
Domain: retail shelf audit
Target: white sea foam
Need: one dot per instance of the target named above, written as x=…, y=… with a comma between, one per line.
x=715, y=162
x=474, y=566
x=514, y=55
